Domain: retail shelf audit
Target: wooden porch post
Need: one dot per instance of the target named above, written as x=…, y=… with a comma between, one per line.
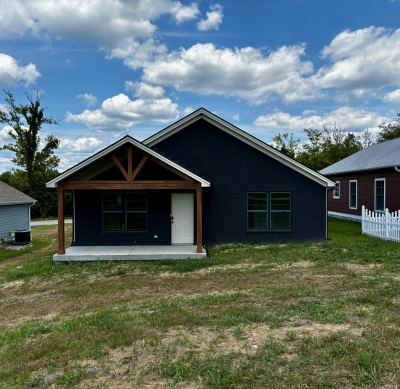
x=199, y=208
x=61, y=238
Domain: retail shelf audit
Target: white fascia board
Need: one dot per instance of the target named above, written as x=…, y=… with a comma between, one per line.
x=54, y=182
x=244, y=137
x=28, y=202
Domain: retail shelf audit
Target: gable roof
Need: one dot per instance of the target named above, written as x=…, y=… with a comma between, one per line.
x=124, y=141
x=377, y=156
x=241, y=135
x=12, y=196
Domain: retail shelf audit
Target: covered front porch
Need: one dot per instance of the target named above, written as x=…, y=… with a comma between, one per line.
x=118, y=214
x=128, y=253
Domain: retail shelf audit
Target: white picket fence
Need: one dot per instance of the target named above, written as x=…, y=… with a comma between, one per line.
x=383, y=225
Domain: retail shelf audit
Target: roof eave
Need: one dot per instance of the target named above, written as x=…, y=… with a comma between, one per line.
x=27, y=202
x=360, y=170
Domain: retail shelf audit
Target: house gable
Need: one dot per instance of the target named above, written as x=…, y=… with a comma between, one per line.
x=126, y=160
x=203, y=114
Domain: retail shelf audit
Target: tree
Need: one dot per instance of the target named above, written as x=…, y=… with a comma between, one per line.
x=286, y=144
x=389, y=131
x=39, y=164
x=330, y=145
x=26, y=136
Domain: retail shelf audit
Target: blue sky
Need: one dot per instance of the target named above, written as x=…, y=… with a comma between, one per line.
x=108, y=68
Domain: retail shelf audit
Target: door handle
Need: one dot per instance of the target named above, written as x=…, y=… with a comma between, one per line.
x=172, y=218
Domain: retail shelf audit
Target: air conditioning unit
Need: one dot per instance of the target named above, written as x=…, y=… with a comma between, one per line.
x=22, y=237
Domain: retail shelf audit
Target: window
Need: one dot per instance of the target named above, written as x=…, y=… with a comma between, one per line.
x=336, y=191
x=124, y=211
x=353, y=194
x=380, y=194
x=268, y=211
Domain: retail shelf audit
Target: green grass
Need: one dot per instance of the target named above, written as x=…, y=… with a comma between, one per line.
x=315, y=315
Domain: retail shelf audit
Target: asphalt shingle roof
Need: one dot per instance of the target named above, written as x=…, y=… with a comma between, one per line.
x=377, y=156
x=10, y=195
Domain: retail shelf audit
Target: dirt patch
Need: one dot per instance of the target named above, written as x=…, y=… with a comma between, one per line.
x=363, y=267
x=139, y=365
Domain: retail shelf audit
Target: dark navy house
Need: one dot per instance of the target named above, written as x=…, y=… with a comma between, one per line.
x=200, y=181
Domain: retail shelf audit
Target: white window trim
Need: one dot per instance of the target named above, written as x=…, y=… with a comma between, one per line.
x=384, y=194
x=336, y=197
x=350, y=194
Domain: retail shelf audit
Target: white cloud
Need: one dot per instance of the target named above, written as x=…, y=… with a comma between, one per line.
x=4, y=137
x=214, y=19
x=183, y=14
x=136, y=54
x=11, y=73
x=363, y=60
x=350, y=119
x=188, y=111
x=144, y=91
x=392, y=97
x=104, y=22
x=245, y=73
x=89, y=99
x=236, y=117
x=81, y=144
x=120, y=113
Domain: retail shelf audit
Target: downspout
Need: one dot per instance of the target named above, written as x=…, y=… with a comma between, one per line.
x=327, y=225
x=397, y=169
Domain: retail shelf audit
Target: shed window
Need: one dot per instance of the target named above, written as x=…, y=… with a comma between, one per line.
x=353, y=195
x=336, y=191
x=269, y=211
x=124, y=211
x=380, y=194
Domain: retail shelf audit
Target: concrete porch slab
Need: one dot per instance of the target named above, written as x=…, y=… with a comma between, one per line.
x=128, y=253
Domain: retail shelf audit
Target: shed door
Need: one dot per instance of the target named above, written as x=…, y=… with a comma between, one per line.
x=182, y=220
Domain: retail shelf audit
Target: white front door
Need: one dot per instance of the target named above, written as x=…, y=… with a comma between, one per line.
x=182, y=218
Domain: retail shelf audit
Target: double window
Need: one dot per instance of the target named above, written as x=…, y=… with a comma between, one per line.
x=269, y=211
x=353, y=194
x=124, y=211
x=336, y=191
x=380, y=194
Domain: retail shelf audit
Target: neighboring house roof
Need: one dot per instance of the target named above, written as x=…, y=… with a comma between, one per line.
x=12, y=196
x=378, y=156
x=125, y=140
x=241, y=135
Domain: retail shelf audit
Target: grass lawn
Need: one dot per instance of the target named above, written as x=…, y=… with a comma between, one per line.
x=323, y=315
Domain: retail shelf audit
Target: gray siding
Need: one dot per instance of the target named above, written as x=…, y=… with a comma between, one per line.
x=13, y=217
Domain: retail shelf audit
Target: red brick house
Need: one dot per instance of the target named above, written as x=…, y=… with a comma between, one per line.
x=370, y=177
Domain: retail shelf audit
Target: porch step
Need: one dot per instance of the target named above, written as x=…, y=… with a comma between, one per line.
x=128, y=253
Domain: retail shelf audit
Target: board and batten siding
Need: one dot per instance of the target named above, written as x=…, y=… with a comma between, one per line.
x=12, y=218
x=365, y=191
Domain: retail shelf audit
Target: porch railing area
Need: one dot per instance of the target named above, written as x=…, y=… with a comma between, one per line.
x=382, y=225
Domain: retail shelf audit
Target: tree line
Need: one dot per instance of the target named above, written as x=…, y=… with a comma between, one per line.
x=38, y=162
x=331, y=144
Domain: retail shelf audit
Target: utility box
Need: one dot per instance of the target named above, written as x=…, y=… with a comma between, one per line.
x=22, y=237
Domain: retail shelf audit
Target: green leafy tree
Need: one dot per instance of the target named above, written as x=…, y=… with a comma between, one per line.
x=286, y=144
x=389, y=131
x=38, y=162
x=330, y=145
x=26, y=121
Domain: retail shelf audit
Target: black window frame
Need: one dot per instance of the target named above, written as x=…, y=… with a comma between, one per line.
x=268, y=209
x=381, y=195
x=125, y=212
